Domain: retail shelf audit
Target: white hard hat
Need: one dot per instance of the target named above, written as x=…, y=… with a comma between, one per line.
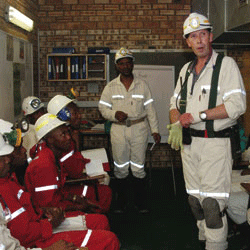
x=57, y=103
x=195, y=22
x=45, y=124
x=13, y=133
x=31, y=104
x=5, y=127
x=123, y=53
x=5, y=148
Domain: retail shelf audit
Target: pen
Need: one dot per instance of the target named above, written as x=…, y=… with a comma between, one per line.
x=152, y=147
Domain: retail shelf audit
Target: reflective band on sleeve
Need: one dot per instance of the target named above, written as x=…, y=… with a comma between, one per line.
x=147, y=102
x=138, y=96
x=29, y=160
x=117, y=96
x=137, y=165
x=193, y=191
x=19, y=194
x=206, y=194
x=84, y=191
x=105, y=103
x=121, y=165
x=17, y=212
x=219, y=195
x=233, y=92
x=65, y=157
x=46, y=188
x=86, y=239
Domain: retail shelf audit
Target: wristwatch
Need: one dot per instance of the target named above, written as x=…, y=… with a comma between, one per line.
x=203, y=116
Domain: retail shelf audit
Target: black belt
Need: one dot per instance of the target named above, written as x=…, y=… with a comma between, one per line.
x=217, y=134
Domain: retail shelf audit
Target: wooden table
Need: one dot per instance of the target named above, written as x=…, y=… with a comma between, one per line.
x=85, y=179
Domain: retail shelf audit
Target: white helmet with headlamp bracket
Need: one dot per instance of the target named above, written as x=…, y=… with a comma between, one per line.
x=5, y=148
x=13, y=133
x=31, y=104
x=57, y=106
x=195, y=22
x=123, y=53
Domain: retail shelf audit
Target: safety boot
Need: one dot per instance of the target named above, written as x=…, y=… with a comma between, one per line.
x=121, y=195
x=140, y=194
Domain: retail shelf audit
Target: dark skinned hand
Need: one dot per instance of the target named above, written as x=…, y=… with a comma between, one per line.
x=61, y=245
x=121, y=116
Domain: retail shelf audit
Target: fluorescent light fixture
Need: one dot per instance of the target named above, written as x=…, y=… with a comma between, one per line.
x=16, y=17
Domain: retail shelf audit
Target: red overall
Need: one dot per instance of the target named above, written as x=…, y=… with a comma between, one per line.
x=31, y=229
x=73, y=164
x=45, y=182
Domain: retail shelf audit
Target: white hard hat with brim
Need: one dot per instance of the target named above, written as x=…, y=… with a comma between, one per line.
x=45, y=124
x=5, y=148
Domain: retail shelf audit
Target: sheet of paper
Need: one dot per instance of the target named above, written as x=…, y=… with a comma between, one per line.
x=98, y=153
x=94, y=168
x=71, y=224
x=237, y=178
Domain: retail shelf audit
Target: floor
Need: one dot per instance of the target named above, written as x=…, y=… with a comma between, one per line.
x=169, y=225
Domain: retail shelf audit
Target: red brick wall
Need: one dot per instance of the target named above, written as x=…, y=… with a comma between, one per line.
x=136, y=24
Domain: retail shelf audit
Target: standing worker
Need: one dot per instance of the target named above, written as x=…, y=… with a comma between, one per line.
x=127, y=102
x=208, y=99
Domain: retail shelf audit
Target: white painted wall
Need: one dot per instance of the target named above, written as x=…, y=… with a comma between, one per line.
x=6, y=75
x=161, y=82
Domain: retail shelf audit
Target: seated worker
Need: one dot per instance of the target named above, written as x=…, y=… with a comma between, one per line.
x=8, y=242
x=32, y=108
x=73, y=161
x=65, y=108
x=45, y=177
x=14, y=132
x=35, y=227
x=239, y=204
x=93, y=221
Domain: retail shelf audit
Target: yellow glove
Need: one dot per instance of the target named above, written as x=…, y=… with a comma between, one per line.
x=175, y=135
